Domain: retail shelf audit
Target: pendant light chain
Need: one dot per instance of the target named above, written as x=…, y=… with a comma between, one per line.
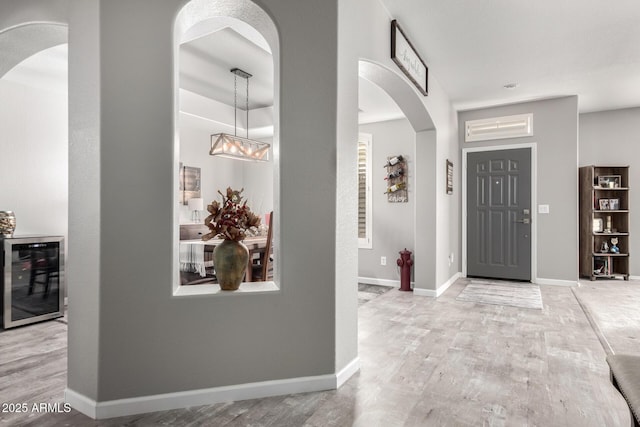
x=247, y=106
x=235, y=104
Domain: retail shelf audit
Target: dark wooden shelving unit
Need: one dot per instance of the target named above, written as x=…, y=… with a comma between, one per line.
x=599, y=186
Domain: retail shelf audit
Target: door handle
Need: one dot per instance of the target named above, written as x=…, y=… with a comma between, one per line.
x=523, y=221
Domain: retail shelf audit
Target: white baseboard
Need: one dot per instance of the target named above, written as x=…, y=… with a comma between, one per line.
x=441, y=289
x=380, y=282
x=208, y=396
x=347, y=372
x=556, y=282
x=424, y=292
x=634, y=277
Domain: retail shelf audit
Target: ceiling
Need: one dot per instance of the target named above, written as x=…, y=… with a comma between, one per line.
x=589, y=48
x=550, y=48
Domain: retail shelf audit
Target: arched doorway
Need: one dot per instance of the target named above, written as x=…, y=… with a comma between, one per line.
x=413, y=108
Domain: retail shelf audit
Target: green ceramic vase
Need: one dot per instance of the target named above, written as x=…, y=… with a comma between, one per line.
x=230, y=260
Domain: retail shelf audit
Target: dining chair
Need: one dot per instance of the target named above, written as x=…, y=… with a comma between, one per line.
x=262, y=270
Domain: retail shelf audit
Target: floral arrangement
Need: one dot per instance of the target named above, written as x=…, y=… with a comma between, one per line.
x=232, y=220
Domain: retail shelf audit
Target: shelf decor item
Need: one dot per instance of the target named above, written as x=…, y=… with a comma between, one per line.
x=598, y=225
x=609, y=181
x=230, y=221
x=604, y=222
x=604, y=204
x=7, y=223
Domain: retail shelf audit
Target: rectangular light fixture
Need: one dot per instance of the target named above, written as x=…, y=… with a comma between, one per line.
x=235, y=147
x=499, y=127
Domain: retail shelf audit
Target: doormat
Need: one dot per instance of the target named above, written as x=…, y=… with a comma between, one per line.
x=367, y=292
x=523, y=295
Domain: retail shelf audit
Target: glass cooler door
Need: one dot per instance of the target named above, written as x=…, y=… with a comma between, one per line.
x=35, y=290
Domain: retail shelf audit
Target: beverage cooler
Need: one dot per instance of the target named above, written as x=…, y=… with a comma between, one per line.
x=32, y=283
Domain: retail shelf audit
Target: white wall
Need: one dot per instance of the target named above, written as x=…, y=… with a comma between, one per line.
x=392, y=223
x=611, y=138
x=34, y=161
x=143, y=329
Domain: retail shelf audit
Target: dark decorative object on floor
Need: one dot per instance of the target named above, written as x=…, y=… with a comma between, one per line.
x=405, y=262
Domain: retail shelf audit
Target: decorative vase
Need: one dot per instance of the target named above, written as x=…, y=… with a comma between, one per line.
x=7, y=223
x=230, y=259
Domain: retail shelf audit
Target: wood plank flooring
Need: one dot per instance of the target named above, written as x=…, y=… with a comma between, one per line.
x=425, y=362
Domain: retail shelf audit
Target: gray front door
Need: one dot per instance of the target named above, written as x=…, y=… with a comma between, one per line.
x=499, y=214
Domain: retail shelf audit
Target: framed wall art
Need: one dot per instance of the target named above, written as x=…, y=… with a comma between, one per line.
x=407, y=59
x=449, y=177
x=189, y=183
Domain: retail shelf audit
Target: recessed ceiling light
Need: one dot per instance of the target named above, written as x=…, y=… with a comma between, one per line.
x=511, y=85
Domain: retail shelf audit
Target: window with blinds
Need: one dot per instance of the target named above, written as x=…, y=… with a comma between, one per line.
x=364, y=191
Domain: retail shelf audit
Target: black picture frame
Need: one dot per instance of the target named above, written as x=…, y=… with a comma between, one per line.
x=398, y=47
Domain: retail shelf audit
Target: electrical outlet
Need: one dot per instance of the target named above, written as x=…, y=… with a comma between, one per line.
x=383, y=260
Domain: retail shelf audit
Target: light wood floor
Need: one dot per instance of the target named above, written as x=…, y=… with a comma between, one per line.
x=425, y=362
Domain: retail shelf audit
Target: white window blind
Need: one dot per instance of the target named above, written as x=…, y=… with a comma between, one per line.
x=499, y=127
x=364, y=191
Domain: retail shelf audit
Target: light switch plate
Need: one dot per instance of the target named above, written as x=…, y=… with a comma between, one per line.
x=543, y=209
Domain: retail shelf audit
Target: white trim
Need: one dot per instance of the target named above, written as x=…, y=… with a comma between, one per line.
x=425, y=292
x=208, y=289
x=634, y=277
x=441, y=289
x=556, y=282
x=347, y=372
x=207, y=396
x=380, y=282
x=81, y=403
x=534, y=200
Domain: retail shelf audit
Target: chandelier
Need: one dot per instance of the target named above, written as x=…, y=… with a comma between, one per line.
x=234, y=146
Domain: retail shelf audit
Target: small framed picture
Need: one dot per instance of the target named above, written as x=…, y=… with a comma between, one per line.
x=449, y=177
x=614, y=204
x=609, y=181
x=598, y=225
x=604, y=204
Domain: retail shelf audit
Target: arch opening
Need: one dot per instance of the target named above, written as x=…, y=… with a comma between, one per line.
x=212, y=38
x=413, y=126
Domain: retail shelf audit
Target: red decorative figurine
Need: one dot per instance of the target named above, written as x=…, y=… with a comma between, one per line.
x=405, y=262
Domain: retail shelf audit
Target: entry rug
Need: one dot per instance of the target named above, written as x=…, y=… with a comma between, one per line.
x=524, y=295
x=367, y=292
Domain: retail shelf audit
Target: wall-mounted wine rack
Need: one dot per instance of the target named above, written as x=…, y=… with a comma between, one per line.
x=396, y=179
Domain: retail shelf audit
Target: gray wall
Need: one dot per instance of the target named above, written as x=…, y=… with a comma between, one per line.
x=555, y=127
x=392, y=223
x=611, y=138
x=149, y=341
